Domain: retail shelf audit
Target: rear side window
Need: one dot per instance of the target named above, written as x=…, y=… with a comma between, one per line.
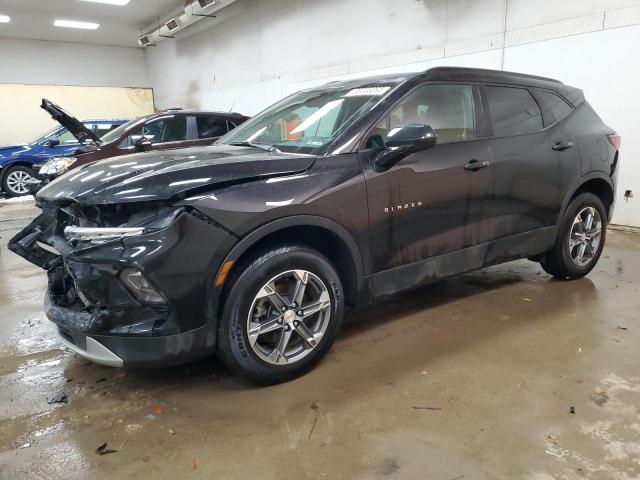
x=555, y=104
x=513, y=111
x=211, y=127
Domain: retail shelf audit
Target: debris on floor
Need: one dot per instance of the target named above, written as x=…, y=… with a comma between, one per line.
x=420, y=407
x=572, y=410
x=103, y=450
x=158, y=410
x=59, y=397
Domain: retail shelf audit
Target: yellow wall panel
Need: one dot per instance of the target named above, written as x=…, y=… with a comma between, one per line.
x=22, y=119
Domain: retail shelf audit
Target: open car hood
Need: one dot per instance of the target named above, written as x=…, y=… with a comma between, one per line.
x=71, y=123
x=169, y=174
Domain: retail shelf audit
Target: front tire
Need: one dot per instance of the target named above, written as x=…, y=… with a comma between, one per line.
x=15, y=182
x=282, y=314
x=580, y=239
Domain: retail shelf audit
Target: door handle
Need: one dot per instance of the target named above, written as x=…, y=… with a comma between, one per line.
x=475, y=165
x=561, y=146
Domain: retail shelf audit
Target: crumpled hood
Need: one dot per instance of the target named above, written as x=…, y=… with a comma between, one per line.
x=151, y=176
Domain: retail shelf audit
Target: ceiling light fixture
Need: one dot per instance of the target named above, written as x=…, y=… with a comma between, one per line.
x=74, y=24
x=5, y=19
x=120, y=3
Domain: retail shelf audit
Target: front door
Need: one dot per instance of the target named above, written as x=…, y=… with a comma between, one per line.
x=430, y=203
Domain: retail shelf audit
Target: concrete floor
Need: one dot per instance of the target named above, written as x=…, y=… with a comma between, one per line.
x=471, y=378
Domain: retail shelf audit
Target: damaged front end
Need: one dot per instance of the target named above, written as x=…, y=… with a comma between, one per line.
x=126, y=282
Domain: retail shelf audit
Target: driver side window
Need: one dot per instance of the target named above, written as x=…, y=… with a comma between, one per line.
x=163, y=130
x=448, y=109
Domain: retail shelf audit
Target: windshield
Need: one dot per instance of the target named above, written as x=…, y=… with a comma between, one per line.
x=309, y=120
x=41, y=138
x=117, y=132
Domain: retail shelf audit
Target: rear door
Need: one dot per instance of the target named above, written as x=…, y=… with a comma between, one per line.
x=210, y=128
x=526, y=185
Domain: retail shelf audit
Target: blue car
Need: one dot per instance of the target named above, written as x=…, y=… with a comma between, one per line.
x=17, y=162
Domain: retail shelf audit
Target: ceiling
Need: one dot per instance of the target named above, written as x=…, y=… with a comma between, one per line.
x=33, y=19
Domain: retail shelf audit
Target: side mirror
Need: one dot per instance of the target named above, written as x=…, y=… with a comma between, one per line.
x=54, y=142
x=405, y=140
x=142, y=143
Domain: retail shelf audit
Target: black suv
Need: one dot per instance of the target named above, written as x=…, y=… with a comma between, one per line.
x=335, y=196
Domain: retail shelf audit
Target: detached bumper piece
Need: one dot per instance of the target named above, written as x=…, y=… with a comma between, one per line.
x=133, y=301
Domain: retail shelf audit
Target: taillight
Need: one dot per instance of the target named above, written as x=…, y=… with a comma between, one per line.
x=615, y=140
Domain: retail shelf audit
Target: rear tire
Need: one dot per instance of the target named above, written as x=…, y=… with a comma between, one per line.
x=15, y=180
x=580, y=239
x=272, y=329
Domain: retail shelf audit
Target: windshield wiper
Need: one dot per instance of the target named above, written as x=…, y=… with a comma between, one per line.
x=261, y=146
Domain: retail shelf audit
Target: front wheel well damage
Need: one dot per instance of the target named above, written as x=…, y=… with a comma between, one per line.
x=318, y=238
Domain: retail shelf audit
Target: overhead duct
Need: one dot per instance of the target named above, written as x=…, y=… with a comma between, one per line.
x=192, y=13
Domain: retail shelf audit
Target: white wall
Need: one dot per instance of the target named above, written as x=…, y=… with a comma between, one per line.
x=39, y=62
x=257, y=51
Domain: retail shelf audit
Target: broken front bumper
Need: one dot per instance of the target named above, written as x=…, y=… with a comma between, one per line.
x=100, y=318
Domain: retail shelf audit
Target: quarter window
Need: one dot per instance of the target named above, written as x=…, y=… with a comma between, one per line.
x=448, y=109
x=513, y=111
x=554, y=104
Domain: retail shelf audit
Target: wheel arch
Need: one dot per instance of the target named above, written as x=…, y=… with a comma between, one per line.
x=14, y=163
x=597, y=183
x=325, y=235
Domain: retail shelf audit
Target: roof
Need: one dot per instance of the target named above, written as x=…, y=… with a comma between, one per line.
x=485, y=75
x=105, y=120
x=574, y=95
x=197, y=112
x=458, y=74
x=365, y=81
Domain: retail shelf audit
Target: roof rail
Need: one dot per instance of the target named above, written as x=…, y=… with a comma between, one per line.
x=482, y=71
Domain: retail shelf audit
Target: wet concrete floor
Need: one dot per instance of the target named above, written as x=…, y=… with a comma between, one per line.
x=472, y=378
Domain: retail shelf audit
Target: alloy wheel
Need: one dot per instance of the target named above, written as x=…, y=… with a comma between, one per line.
x=288, y=317
x=585, y=236
x=18, y=182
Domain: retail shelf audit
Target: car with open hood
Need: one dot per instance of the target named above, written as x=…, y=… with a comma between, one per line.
x=19, y=162
x=175, y=128
x=340, y=195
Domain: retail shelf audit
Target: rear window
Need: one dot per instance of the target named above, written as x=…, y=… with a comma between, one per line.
x=555, y=104
x=513, y=111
